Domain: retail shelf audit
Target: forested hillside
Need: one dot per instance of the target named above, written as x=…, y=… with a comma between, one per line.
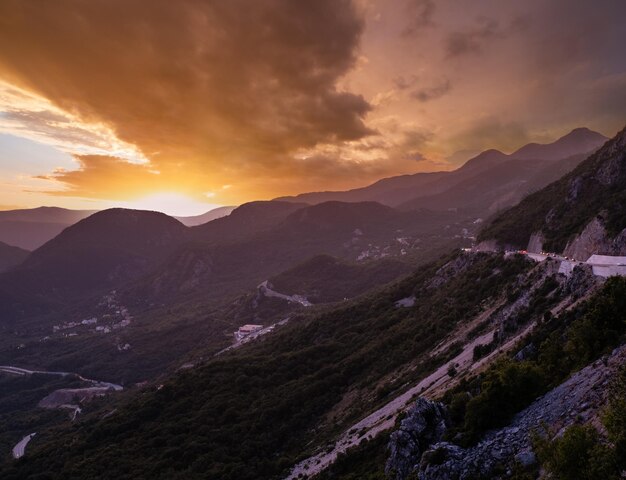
x=250, y=414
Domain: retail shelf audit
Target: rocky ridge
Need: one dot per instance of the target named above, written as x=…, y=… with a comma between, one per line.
x=578, y=399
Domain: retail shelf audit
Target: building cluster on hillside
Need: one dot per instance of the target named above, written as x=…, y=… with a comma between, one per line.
x=113, y=316
x=246, y=330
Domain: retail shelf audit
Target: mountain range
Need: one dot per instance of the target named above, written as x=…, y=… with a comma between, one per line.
x=31, y=228
x=388, y=351
x=530, y=167
x=581, y=213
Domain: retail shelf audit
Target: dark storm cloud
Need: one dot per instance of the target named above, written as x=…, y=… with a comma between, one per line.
x=228, y=86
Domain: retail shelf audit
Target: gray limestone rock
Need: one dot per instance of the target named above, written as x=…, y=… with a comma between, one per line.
x=424, y=425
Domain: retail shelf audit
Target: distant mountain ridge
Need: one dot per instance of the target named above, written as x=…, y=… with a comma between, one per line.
x=101, y=250
x=404, y=191
x=194, y=220
x=582, y=213
x=30, y=228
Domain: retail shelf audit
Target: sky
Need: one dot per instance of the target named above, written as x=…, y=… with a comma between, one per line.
x=183, y=106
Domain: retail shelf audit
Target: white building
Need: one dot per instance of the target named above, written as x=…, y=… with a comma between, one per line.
x=246, y=330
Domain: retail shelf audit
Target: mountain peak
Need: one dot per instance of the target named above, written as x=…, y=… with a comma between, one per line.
x=583, y=134
x=579, y=140
x=484, y=159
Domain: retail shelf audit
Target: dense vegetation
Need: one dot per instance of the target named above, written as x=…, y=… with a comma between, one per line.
x=489, y=401
x=18, y=413
x=562, y=345
x=566, y=206
x=581, y=452
x=325, y=279
x=363, y=462
x=249, y=415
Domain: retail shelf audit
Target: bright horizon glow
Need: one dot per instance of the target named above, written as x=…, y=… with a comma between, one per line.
x=340, y=95
x=170, y=203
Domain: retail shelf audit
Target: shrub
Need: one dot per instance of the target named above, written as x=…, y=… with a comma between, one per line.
x=578, y=454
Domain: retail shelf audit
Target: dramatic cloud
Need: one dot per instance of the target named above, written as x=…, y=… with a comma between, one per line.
x=276, y=97
x=33, y=117
x=101, y=176
x=232, y=87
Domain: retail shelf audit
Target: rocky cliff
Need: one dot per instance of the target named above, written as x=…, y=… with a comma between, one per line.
x=425, y=424
x=595, y=239
x=577, y=400
x=568, y=213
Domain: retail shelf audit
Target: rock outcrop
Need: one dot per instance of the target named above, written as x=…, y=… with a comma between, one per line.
x=425, y=424
x=594, y=239
x=535, y=244
x=579, y=399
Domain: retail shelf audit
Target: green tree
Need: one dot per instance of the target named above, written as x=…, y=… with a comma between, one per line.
x=578, y=454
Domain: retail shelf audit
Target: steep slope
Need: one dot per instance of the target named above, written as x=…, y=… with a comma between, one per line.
x=252, y=413
x=209, y=216
x=406, y=189
x=495, y=421
x=503, y=185
x=582, y=213
x=249, y=414
x=31, y=228
x=324, y=278
x=11, y=256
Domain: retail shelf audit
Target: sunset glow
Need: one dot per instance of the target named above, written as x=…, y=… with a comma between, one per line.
x=118, y=101
x=170, y=203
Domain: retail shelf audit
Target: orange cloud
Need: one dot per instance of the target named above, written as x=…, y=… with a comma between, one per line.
x=279, y=96
x=220, y=89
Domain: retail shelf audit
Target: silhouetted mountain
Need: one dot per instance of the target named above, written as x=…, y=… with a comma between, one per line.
x=101, y=251
x=585, y=209
x=501, y=185
x=11, y=256
x=483, y=161
x=248, y=219
x=249, y=253
x=45, y=215
x=405, y=190
x=209, y=216
x=389, y=191
x=579, y=140
x=31, y=228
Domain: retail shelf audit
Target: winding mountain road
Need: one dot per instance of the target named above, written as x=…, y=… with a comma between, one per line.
x=24, y=371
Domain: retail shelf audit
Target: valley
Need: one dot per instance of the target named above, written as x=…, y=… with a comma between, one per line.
x=312, y=240
x=354, y=315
